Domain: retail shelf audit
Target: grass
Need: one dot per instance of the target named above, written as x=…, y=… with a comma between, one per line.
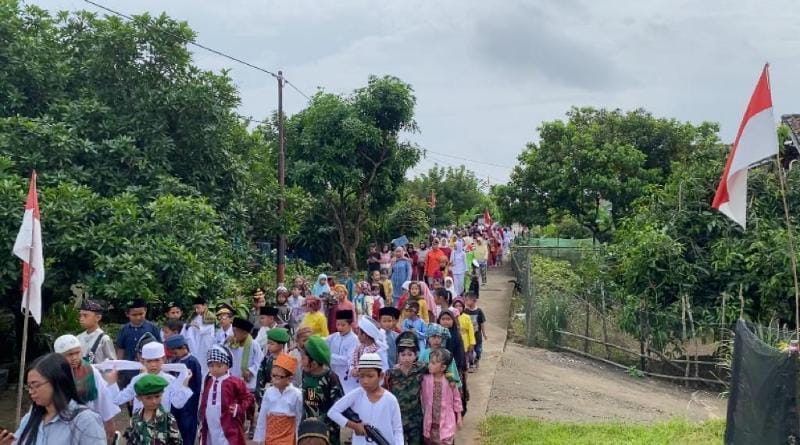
x=513, y=430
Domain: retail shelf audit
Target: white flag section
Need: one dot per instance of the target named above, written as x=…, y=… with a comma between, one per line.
x=28, y=248
x=757, y=140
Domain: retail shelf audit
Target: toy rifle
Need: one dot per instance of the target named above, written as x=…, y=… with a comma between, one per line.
x=373, y=434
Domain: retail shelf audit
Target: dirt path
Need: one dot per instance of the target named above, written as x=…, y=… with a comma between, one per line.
x=495, y=300
x=532, y=382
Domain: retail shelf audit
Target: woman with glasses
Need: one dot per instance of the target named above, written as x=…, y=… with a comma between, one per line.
x=57, y=415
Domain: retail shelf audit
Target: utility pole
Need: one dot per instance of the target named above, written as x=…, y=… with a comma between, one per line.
x=281, y=183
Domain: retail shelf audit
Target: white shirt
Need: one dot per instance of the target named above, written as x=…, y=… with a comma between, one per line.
x=223, y=335
x=175, y=394
x=255, y=360
x=342, y=349
x=105, y=350
x=286, y=403
x=261, y=337
x=383, y=415
x=216, y=436
x=200, y=338
x=103, y=404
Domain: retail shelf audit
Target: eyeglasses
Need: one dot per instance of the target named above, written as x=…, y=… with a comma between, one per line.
x=34, y=386
x=279, y=376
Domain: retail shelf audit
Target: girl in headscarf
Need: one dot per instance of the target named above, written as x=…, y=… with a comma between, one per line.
x=401, y=272
x=321, y=286
x=458, y=260
x=371, y=339
x=450, y=286
x=455, y=345
x=430, y=301
x=363, y=300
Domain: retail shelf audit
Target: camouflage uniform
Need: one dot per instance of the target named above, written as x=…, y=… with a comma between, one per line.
x=320, y=392
x=407, y=389
x=160, y=430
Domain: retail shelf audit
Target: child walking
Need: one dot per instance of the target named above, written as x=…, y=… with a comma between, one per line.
x=374, y=405
x=282, y=407
x=187, y=416
x=200, y=332
x=314, y=318
x=405, y=382
x=321, y=387
x=277, y=338
x=152, y=425
x=96, y=345
x=478, y=320
x=441, y=403
x=224, y=403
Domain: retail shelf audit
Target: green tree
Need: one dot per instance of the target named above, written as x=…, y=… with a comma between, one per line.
x=457, y=191
x=346, y=151
x=596, y=156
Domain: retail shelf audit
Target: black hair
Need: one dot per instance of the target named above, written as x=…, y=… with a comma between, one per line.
x=174, y=325
x=455, y=343
x=444, y=293
x=55, y=369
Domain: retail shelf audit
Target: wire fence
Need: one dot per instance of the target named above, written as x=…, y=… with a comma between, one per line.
x=698, y=353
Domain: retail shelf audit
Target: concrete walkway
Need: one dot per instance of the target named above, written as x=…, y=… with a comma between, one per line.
x=495, y=300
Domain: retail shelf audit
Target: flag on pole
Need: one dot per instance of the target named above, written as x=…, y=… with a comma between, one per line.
x=487, y=218
x=28, y=248
x=756, y=140
x=433, y=199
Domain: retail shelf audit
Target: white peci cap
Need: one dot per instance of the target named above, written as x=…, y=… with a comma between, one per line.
x=66, y=343
x=152, y=351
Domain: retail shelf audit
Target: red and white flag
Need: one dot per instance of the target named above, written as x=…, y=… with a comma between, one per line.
x=487, y=218
x=28, y=248
x=757, y=139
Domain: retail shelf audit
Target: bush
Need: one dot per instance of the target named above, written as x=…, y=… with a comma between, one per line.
x=554, y=284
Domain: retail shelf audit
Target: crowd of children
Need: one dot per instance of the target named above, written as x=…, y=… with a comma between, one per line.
x=334, y=361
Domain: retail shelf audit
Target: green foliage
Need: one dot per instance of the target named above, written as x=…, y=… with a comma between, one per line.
x=347, y=153
x=595, y=165
x=513, y=431
x=457, y=193
x=554, y=285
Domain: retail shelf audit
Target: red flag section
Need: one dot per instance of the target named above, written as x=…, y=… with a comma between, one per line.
x=756, y=140
x=28, y=247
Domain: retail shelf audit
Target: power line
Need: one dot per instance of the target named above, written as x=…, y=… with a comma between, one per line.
x=470, y=160
x=201, y=46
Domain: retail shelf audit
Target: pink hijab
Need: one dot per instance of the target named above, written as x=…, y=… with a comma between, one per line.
x=428, y=296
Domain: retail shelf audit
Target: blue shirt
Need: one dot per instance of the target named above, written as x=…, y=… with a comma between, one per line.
x=129, y=336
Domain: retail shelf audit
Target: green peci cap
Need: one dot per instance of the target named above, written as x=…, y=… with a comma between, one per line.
x=150, y=384
x=318, y=350
x=278, y=335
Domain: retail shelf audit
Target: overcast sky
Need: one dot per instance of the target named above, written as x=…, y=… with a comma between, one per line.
x=487, y=73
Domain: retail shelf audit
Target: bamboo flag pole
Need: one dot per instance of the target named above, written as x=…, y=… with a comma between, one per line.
x=21, y=381
x=790, y=241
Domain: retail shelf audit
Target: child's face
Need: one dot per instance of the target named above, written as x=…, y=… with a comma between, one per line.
x=217, y=369
x=342, y=326
x=308, y=364
x=89, y=319
x=376, y=275
x=369, y=379
x=167, y=332
x=312, y=441
x=239, y=334
x=459, y=306
x=274, y=347
x=446, y=322
x=375, y=291
x=266, y=320
x=407, y=357
x=411, y=314
x=414, y=290
x=153, y=366
x=200, y=309
x=435, y=367
x=388, y=323
x=364, y=338
x=280, y=377
x=225, y=320
x=435, y=342
x=471, y=302
x=136, y=315
x=295, y=292
x=179, y=352
x=280, y=298
x=174, y=313
x=150, y=402
x=322, y=282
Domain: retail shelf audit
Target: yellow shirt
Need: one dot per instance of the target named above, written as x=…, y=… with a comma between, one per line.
x=317, y=322
x=387, y=290
x=481, y=252
x=467, y=331
x=423, y=311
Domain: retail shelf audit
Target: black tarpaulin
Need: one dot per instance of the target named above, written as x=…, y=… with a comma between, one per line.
x=762, y=408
